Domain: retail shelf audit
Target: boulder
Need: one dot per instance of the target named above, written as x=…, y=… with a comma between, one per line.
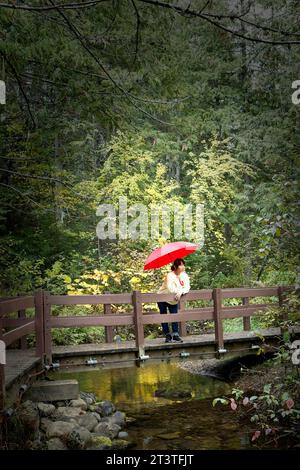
x=108, y=429
x=45, y=409
x=78, y=438
x=67, y=412
x=105, y=408
x=29, y=417
x=120, y=444
x=56, y=444
x=88, y=421
x=88, y=397
x=100, y=443
x=59, y=429
x=79, y=403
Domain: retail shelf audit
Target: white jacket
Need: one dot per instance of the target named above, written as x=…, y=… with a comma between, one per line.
x=174, y=284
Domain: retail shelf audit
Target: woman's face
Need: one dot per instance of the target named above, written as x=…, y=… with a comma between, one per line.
x=180, y=268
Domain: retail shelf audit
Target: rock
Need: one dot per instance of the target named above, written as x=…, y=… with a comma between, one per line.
x=118, y=418
x=80, y=403
x=105, y=408
x=123, y=435
x=61, y=403
x=108, y=429
x=100, y=443
x=39, y=445
x=173, y=393
x=88, y=397
x=79, y=438
x=56, y=444
x=45, y=422
x=53, y=390
x=59, y=429
x=67, y=412
x=129, y=419
x=88, y=421
x=45, y=409
x=169, y=435
x=97, y=416
x=29, y=417
x=119, y=444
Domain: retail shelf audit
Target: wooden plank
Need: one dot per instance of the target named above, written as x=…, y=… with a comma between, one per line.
x=174, y=317
x=218, y=318
x=182, y=325
x=152, y=297
x=15, y=322
x=13, y=305
x=47, y=327
x=39, y=323
x=138, y=322
x=282, y=300
x=90, y=320
x=2, y=375
x=17, y=333
x=246, y=320
x=249, y=292
x=240, y=311
x=22, y=340
x=109, y=331
x=90, y=299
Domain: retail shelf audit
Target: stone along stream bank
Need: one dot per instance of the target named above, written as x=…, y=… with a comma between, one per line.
x=82, y=423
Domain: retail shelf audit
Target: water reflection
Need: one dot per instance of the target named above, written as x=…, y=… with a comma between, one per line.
x=132, y=388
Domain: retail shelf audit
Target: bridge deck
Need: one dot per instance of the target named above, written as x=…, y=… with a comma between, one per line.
x=158, y=343
x=21, y=362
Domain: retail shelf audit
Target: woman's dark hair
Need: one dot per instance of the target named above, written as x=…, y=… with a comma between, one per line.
x=177, y=262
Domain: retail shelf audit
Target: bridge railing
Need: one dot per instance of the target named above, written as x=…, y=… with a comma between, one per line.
x=18, y=328
x=43, y=321
x=138, y=317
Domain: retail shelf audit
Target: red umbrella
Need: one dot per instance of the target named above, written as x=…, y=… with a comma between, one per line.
x=168, y=253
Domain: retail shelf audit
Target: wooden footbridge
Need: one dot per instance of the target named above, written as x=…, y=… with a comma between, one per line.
x=25, y=315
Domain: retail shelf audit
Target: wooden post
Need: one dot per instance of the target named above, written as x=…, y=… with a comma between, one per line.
x=246, y=320
x=22, y=341
x=109, y=332
x=282, y=300
x=39, y=324
x=217, y=298
x=139, y=327
x=182, y=325
x=47, y=327
x=2, y=375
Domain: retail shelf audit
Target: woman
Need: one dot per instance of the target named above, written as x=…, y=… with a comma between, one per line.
x=176, y=282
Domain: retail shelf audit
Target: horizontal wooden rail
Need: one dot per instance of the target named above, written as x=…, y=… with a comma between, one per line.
x=244, y=311
x=90, y=299
x=90, y=320
x=13, y=305
x=249, y=292
x=17, y=333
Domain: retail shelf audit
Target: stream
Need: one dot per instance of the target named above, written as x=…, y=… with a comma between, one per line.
x=163, y=423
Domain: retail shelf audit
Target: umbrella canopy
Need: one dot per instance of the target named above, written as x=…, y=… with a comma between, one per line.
x=168, y=253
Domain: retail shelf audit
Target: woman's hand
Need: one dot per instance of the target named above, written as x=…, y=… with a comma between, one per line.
x=177, y=296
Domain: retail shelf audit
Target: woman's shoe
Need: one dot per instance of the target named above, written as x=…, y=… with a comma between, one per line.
x=168, y=338
x=176, y=337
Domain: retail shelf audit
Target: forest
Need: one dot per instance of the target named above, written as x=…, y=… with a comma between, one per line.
x=183, y=103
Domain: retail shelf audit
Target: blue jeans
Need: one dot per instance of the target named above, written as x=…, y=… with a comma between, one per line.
x=172, y=309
